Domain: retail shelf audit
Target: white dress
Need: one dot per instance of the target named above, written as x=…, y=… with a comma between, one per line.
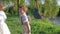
x=3, y=25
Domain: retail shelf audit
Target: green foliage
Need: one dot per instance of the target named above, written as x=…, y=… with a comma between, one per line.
x=47, y=8
x=14, y=24
x=22, y=3
x=37, y=26
x=43, y=27
x=36, y=4
x=51, y=8
x=55, y=8
x=11, y=7
x=12, y=12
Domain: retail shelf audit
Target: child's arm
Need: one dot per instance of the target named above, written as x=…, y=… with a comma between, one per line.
x=27, y=26
x=21, y=21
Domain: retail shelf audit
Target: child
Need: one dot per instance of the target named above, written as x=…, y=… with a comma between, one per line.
x=3, y=26
x=24, y=20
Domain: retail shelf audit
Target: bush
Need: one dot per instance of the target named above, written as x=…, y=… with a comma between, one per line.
x=43, y=27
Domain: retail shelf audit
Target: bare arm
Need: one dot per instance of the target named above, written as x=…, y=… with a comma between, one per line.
x=27, y=26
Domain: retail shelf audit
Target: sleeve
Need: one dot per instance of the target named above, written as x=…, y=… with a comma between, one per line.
x=25, y=19
x=4, y=15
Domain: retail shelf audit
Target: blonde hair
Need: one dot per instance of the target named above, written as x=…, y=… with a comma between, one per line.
x=1, y=5
x=25, y=8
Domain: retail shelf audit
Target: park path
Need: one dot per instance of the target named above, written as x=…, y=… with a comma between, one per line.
x=56, y=21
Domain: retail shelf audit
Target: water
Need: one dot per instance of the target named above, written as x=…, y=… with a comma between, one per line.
x=56, y=21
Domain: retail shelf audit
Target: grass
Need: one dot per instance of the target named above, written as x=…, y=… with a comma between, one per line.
x=37, y=26
x=44, y=27
x=14, y=25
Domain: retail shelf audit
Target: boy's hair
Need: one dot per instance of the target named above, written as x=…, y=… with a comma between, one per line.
x=23, y=7
x=20, y=7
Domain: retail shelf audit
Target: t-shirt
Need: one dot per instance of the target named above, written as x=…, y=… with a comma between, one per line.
x=24, y=18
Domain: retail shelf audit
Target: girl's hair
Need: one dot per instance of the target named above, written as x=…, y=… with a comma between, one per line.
x=1, y=5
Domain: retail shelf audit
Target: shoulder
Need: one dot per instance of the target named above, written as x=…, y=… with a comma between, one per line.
x=2, y=12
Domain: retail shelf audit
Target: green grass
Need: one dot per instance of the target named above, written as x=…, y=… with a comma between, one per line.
x=37, y=26
x=44, y=27
x=14, y=25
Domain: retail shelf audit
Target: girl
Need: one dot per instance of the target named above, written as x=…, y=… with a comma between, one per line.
x=24, y=20
x=3, y=26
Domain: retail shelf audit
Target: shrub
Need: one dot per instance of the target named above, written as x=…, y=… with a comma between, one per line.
x=43, y=27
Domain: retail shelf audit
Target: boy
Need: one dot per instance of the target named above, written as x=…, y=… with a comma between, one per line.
x=24, y=20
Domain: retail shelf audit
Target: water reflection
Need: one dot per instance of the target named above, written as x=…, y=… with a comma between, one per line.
x=56, y=21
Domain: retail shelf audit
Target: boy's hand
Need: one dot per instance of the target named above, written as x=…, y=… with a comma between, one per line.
x=28, y=31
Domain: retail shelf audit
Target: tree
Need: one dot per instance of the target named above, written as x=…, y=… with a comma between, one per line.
x=15, y=4
x=11, y=6
x=22, y=3
x=55, y=8
x=36, y=5
x=51, y=8
x=47, y=8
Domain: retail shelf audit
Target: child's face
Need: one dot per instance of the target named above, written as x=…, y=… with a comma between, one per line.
x=21, y=11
